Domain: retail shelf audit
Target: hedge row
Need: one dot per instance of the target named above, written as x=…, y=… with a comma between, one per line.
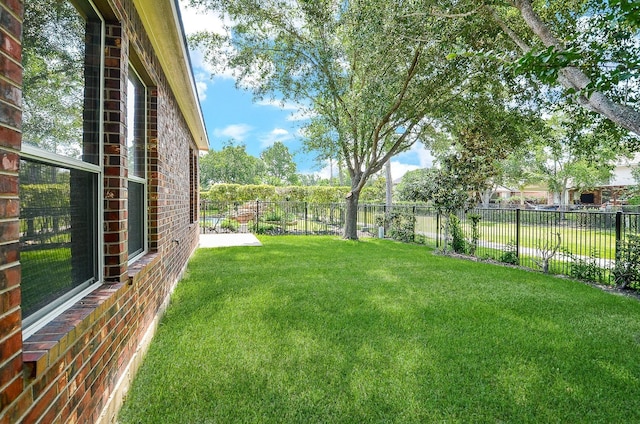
x=44, y=196
x=313, y=194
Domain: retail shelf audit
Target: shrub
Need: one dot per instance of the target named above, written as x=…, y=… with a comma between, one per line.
x=266, y=228
x=475, y=232
x=402, y=225
x=586, y=269
x=229, y=225
x=277, y=214
x=458, y=243
x=627, y=268
x=510, y=254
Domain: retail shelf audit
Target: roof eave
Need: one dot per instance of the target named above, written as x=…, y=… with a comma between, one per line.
x=163, y=24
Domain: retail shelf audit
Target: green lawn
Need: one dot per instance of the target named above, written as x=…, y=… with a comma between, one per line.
x=318, y=329
x=577, y=240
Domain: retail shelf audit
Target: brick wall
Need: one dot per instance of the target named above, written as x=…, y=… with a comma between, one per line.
x=66, y=371
x=11, y=380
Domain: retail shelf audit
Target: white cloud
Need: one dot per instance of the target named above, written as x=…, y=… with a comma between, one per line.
x=277, y=134
x=398, y=169
x=235, y=131
x=399, y=164
x=417, y=152
x=194, y=20
x=201, y=85
x=326, y=172
x=301, y=115
x=279, y=104
x=299, y=111
x=279, y=131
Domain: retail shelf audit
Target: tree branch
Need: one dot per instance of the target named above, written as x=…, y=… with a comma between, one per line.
x=411, y=72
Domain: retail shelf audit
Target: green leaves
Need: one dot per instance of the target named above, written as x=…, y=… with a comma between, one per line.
x=546, y=63
x=630, y=11
x=232, y=164
x=53, y=79
x=279, y=164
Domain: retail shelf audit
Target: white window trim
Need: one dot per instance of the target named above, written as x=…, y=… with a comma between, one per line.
x=140, y=180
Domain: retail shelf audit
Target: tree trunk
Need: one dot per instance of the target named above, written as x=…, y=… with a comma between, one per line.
x=331, y=182
x=485, y=197
x=565, y=198
x=572, y=77
x=389, y=185
x=351, y=218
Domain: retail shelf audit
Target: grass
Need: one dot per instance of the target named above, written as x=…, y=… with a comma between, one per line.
x=577, y=240
x=318, y=329
x=52, y=266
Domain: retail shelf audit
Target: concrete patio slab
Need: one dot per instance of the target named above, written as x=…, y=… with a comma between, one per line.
x=228, y=240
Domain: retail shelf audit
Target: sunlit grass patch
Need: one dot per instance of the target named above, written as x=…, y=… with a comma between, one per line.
x=318, y=329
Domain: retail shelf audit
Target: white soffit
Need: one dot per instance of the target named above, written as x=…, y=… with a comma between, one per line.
x=161, y=20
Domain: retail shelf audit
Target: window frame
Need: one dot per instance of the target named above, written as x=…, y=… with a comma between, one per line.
x=133, y=178
x=193, y=186
x=40, y=318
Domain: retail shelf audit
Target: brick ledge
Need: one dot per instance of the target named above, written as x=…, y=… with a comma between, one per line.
x=48, y=344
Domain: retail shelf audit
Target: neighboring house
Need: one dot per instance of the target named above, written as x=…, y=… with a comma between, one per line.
x=612, y=193
x=615, y=192
x=537, y=193
x=100, y=129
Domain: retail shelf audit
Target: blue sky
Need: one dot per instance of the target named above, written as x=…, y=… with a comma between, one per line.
x=232, y=113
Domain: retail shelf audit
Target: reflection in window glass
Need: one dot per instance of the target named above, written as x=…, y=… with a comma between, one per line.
x=61, y=60
x=136, y=218
x=57, y=233
x=136, y=126
x=136, y=156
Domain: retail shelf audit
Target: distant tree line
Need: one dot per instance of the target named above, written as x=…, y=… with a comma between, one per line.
x=264, y=192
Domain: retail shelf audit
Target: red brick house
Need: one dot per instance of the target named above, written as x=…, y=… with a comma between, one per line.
x=100, y=129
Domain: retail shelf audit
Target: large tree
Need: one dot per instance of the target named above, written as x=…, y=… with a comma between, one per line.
x=520, y=169
x=359, y=64
x=232, y=164
x=53, y=83
x=280, y=168
x=565, y=165
x=588, y=47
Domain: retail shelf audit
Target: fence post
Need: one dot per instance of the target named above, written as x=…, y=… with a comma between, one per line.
x=618, y=234
x=518, y=233
x=257, y=216
x=306, y=216
x=437, y=230
x=201, y=219
x=414, y=222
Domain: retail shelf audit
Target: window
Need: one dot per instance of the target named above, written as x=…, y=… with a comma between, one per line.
x=193, y=187
x=60, y=168
x=137, y=158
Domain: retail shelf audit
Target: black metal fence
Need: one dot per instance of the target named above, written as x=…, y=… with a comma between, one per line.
x=583, y=244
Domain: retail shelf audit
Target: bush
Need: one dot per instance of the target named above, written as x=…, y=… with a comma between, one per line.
x=402, y=225
x=229, y=225
x=510, y=254
x=312, y=194
x=458, y=243
x=266, y=228
x=475, y=232
x=586, y=269
x=277, y=214
x=634, y=201
x=627, y=268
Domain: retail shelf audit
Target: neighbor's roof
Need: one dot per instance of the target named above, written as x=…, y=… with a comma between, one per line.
x=163, y=23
